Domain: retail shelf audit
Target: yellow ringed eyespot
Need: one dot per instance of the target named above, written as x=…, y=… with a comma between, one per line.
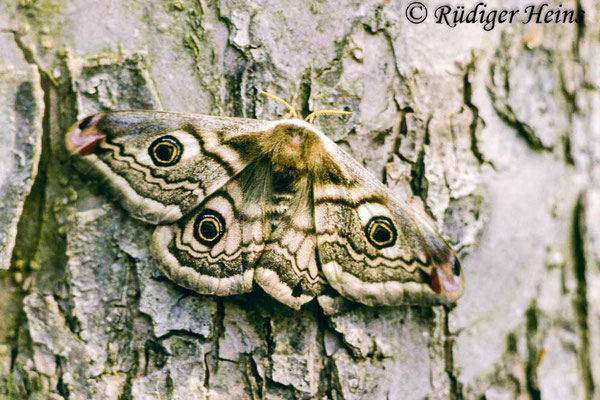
x=165, y=151
x=209, y=227
x=380, y=232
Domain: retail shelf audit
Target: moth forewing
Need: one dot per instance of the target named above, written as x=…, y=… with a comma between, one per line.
x=404, y=260
x=121, y=149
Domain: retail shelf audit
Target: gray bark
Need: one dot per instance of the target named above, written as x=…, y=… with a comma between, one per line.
x=497, y=132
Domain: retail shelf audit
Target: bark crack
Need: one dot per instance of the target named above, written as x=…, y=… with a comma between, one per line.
x=580, y=301
x=499, y=91
x=470, y=69
x=455, y=384
x=418, y=180
x=533, y=352
x=26, y=252
x=304, y=91
x=255, y=381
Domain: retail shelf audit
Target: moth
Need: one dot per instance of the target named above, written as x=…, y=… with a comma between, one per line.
x=239, y=202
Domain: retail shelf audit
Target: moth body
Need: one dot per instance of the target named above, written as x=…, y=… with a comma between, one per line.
x=240, y=202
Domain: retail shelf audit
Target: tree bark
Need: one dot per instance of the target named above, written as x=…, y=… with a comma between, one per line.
x=497, y=132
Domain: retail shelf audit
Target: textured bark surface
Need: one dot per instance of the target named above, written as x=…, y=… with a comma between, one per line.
x=497, y=132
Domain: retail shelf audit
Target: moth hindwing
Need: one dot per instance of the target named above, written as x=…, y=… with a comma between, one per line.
x=239, y=202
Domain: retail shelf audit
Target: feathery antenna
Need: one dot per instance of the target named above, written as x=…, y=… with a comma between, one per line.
x=310, y=116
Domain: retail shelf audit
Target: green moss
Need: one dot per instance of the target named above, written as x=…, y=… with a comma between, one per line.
x=178, y=6
x=190, y=45
x=41, y=13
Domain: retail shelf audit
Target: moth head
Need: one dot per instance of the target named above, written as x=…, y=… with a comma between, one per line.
x=294, y=145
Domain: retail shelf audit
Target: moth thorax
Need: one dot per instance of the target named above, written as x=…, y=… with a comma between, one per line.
x=292, y=147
